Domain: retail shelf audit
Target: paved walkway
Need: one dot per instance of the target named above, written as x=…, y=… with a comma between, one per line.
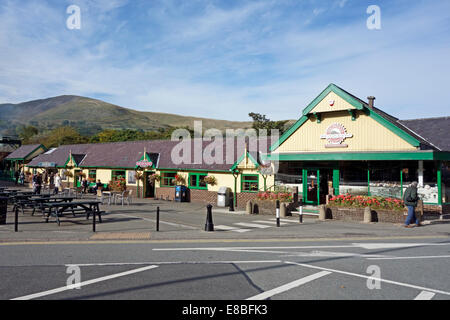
x=186, y=221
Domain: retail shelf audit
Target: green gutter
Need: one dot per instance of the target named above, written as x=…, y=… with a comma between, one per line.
x=352, y=156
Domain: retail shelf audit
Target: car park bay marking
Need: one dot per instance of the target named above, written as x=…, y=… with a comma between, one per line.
x=84, y=283
x=289, y=286
x=407, y=258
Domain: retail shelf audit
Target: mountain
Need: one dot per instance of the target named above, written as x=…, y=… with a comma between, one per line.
x=92, y=115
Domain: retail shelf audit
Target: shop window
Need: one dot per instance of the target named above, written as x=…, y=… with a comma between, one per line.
x=168, y=179
x=196, y=181
x=429, y=192
x=131, y=177
x=289, y=176
x=250, y=183
x=117, y=174
x=385, y=179
x=353, y=178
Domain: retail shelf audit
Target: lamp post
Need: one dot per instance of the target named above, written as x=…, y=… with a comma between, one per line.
x=235, y=175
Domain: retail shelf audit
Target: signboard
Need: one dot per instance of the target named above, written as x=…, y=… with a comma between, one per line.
x=47, y=164
x=335, y=136
x=144, y=164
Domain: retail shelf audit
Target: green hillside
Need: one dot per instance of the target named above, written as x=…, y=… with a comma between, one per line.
x=92, y=115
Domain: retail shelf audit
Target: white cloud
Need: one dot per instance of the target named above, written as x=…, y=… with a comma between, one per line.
x=225, y=63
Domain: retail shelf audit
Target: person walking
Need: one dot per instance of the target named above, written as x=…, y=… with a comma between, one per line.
x=22, y=178
x=410, y=198
x=16, y=176
x=57, y=183
x=38, y=183
x=84, y=184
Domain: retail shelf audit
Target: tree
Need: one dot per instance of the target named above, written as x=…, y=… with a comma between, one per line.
x=261, y=122
x=26, y=133
x=63, y=136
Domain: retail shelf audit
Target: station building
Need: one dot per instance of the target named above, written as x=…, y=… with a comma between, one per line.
x=344, y=145
x=341, y=144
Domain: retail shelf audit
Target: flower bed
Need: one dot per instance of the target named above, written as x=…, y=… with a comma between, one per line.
x=273, y=196
x=375, y=203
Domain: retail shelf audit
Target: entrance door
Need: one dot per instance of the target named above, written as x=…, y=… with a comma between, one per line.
x=316, y=185
x=310, y=186
x=76, y=178
x=149, y=187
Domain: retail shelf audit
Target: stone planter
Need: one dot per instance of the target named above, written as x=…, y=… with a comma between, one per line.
x=357, y=214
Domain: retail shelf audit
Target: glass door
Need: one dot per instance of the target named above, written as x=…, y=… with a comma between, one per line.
x=311, y=190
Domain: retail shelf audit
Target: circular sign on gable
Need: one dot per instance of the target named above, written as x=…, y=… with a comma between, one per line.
x=335, y=135
x=144, y=164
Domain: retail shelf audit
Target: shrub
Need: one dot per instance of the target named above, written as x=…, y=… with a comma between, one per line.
x=281, y=196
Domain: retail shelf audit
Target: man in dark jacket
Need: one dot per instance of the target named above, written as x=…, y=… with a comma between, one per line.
x=410, y=198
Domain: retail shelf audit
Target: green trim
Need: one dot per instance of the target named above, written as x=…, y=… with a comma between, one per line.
x=418, y=155
x=336, y=181
x=197, y=186
x=439, y=182
x=399, y=132
x=318, y=117
x=401, y=183
x=353, y=102
x=236, y=164
x=162, y=179
x=243, y=180
x=368, y=182
x=352, y=113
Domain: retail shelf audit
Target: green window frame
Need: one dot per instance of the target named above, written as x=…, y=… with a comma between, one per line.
x=168, y=179
x=196, y=181
x=116, y=173
x=92, y=175
x=250, y=183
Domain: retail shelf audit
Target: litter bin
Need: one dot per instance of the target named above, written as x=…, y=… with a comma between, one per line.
x=223, y=197
x=3, y=209
x=181, y=193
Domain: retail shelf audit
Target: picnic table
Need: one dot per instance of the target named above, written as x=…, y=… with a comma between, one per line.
x=58, y=209
x=38, y=202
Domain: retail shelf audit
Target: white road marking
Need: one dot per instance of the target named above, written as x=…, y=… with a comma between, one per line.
x=425, y=295
x=372, y=246
x=228, y=228
x=252, y=225
x=289, y=286
x=369, y=277
x=285, y=220
x=160, y=221
x=247, y=248
x=407, y=258
x=171, y=262
x=273, y=223
x=84, y=283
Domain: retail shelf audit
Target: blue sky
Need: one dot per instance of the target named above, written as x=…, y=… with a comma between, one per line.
x=224, y=59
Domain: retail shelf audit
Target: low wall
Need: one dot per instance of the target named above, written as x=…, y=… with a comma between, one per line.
x=357, y=214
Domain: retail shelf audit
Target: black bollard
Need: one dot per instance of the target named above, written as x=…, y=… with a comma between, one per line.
x=16, y=219
x=209, y=226
x=157, y=218
x=231, y=204
x=278, y=213
x=93, y=221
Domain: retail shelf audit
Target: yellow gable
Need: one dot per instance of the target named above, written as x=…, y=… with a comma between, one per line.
x=337, y=132
x=246, y=163
x=332, y=102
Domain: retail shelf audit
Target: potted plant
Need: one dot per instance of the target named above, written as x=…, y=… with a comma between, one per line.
x=180, y=180
x=211, y=180
x=154, y=177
